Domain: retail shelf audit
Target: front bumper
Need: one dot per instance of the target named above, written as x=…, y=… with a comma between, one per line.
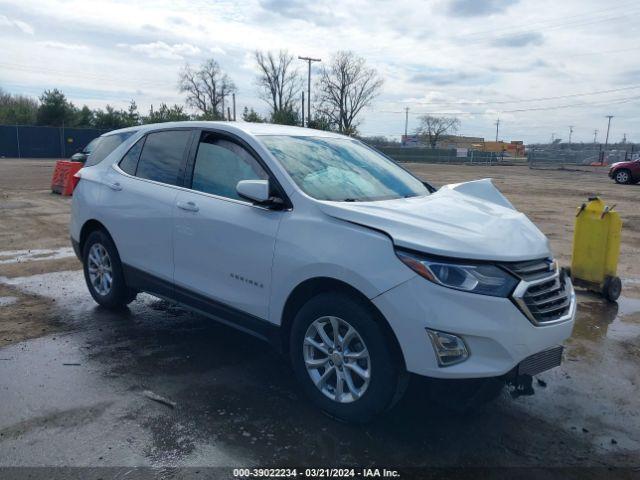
x=495, y=331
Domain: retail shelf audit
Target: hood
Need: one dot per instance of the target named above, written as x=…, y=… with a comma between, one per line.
x=470, y=220
x=624, y=163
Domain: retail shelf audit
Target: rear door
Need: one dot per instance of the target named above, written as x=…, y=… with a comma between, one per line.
x=223, y=244
x=138, y=202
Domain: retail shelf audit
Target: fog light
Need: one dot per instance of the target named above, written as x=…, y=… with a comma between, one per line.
x=450, y=349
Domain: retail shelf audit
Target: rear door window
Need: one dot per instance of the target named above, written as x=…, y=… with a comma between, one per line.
x=163, y=155
x=105, y=145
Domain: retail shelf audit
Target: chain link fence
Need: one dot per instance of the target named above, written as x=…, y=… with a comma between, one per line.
x=451, y=156
x=555, y=158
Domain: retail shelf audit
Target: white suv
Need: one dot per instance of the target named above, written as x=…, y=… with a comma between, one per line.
x=326, y=248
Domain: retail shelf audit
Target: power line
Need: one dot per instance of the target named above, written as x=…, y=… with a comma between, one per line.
x=535, y=99
x=539, y=23
x=520, y=110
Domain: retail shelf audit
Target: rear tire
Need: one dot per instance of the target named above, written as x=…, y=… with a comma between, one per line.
x=103, y=272
x=361, y=347
x=622, y=176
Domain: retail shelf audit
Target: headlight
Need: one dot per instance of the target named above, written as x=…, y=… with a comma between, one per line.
x=482, y=278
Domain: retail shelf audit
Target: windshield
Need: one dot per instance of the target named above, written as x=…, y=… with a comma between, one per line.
x=342, y=169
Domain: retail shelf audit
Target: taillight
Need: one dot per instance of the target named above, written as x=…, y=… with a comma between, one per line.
x=75, y=180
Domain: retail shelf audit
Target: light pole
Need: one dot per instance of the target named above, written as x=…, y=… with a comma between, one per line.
x=309, y=60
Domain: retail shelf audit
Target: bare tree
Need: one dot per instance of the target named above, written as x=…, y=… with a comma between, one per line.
x=345, y=87
x=279, y=82
x=206, y=88
x=432, y=128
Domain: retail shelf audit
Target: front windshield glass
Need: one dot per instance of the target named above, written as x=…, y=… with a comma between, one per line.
x=342, y=169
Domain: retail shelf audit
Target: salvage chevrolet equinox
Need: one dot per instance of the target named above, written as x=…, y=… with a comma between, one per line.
x=357, y=270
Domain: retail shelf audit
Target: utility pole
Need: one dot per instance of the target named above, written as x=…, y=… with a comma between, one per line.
x=406, y=121
x=497, y=128
x=303, y=108
x=606, y=141
x=233, y=96
x=570, y=133
x=595, y=136
x=309, y=60
x=553, y=137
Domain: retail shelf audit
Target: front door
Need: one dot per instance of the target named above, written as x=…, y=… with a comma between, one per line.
x=223, y=244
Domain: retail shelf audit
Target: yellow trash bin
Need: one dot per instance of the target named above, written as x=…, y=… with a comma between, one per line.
x=596, y=247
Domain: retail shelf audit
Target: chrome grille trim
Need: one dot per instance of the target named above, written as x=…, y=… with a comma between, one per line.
x=532, y=269
x=548, y=300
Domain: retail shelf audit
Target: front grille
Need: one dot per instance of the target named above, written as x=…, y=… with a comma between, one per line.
x=545, y=294
x=548, y=301
x=532, y=269
x=541, y=361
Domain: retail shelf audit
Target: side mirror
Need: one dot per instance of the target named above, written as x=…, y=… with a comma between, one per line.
x=254, y=190
x=79, y=157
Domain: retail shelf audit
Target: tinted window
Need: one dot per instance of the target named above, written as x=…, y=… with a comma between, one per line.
x=91, y=145
x=105, y=145
x=162, y=156
x=129, y=162
x=341, y=169
x=221, y=164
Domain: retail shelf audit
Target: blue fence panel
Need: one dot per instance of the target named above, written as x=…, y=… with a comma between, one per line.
x=9, y=141
x=40, y=142
x=44, y=142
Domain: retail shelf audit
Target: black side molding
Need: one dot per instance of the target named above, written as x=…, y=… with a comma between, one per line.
x=220, y=312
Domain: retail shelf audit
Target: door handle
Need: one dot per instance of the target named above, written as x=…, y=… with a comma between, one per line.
x=188, y=206
x=115, y=186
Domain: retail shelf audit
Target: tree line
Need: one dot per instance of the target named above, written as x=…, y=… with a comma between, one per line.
x=53, y=108
x=344, y=86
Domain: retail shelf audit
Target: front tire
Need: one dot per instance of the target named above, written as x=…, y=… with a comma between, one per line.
x=103, y=272
x=343, y=359
x=622, y=176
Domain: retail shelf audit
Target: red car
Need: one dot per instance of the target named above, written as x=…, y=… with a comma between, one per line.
x=626, y=172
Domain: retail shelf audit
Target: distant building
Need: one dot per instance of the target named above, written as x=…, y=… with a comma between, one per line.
x=411, y=141
x=515, y=148
x=459, y=141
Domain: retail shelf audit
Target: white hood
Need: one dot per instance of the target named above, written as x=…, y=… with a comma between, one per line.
x=470, y=220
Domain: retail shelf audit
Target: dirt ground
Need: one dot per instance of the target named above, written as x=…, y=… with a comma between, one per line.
x=32, y=218
x=73, y=376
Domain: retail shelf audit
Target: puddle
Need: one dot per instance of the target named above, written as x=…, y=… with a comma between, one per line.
x=598, y=319
x=20, y=256
x=5, y=301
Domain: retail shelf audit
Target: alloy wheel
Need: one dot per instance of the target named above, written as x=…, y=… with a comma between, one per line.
x=337, y=359
x=622, y=176
x=100, y=269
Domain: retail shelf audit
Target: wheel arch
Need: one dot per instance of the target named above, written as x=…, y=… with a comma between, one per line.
x=90, y=226
x=311, y=287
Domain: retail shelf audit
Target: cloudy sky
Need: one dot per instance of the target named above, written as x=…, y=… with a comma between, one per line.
x=538, y=65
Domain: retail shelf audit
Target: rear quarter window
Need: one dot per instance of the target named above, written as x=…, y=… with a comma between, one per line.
x=105, y=145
